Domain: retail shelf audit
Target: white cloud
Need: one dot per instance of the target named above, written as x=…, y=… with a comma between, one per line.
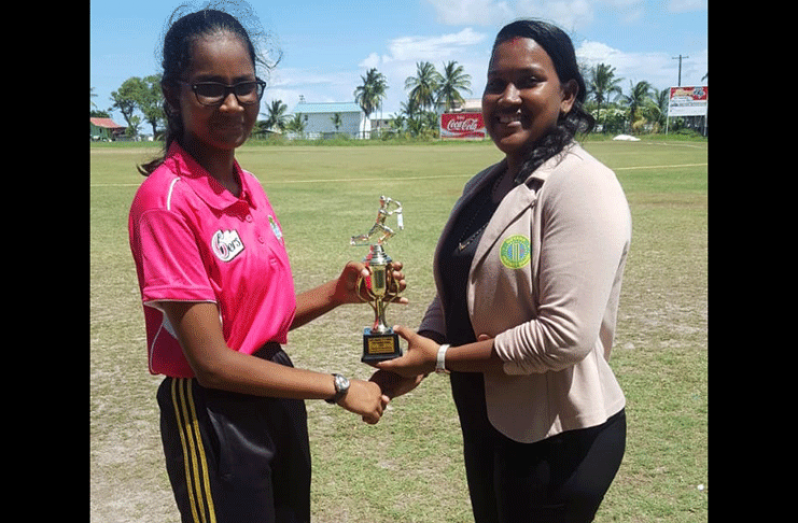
x=434, y=48
x=684, y=6
x=628, y=11
x=472, y=12
x=467, y=47
x=569, y=14
x=657, y=68
x=470, y=47
x=288, y=84
x=371, y=61
x=596, y=52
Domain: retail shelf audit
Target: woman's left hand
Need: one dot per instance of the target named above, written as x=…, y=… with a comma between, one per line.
x=420, y=357
x=394, y=385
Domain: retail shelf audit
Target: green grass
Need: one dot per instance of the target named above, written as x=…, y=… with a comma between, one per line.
x=408, y=468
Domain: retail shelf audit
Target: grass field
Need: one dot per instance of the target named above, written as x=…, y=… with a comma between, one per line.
x=408, y=468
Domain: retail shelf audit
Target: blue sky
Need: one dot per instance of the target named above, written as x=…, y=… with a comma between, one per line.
x=327, y=46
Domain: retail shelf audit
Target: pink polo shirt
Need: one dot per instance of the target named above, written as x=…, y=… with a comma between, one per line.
x=192, y=240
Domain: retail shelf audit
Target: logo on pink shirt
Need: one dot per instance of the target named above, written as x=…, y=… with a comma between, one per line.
x=226, y=245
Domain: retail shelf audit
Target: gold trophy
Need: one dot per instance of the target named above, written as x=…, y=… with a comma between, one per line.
x=379, y=341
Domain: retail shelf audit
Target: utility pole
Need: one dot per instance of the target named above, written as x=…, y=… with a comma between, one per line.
x=680, y=67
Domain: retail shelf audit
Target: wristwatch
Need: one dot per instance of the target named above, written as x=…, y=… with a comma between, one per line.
x=341, y=388
x=440, y=363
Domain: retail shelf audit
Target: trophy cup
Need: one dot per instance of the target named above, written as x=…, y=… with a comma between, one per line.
x=379, y=341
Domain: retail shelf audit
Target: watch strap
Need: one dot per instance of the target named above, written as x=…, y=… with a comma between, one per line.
x=440, y=364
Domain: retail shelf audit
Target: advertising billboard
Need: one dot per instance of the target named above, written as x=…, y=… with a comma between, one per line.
x=462, y=125
x=688, y=101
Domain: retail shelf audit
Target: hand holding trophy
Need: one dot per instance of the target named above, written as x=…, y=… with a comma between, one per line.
x=379, y=289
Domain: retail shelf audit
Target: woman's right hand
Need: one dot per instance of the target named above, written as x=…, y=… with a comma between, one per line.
x=365, y=398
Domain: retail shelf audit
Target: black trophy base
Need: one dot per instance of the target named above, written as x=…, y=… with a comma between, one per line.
x=380, y=347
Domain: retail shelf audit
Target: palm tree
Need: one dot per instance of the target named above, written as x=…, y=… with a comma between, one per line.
x=296, y=124
x=424, y=86
x=639, y=95
x=369, y=96
x=453, y=81
x=415, y=126
x=275, y=117
x=409, y=108
x=412, y=117
x=602, y=84
x=397, y=123
x=659, y=105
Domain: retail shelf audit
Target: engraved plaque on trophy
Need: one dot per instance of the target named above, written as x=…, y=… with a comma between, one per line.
x=379, y=341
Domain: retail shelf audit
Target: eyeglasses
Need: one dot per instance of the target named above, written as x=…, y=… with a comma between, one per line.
x=212, y=93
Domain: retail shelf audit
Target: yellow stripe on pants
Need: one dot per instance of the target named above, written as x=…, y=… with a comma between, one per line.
x=196, y=465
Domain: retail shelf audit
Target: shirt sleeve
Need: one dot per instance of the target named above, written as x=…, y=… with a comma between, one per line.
x=433, y=319
x=172, y=266
x=585, y=237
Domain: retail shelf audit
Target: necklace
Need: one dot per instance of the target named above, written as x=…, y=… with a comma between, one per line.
x=463, y=243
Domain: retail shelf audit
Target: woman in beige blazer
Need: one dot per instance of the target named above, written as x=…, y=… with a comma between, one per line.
x=528, y=273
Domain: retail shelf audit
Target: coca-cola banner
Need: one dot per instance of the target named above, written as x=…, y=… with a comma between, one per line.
x=462, y=125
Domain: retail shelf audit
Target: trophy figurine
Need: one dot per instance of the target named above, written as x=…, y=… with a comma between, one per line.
x=379, y=341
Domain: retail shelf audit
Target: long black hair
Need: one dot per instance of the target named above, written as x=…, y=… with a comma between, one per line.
x=560, y=49
x=183, y=28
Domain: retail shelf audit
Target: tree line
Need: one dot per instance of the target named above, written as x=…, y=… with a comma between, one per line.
x=640, y=109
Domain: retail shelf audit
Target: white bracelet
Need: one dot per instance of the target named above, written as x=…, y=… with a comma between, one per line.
x=440, y=365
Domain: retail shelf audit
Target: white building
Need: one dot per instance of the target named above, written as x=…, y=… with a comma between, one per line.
x=318, y=119
x=469, y=105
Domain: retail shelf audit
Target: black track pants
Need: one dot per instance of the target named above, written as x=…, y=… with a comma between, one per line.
x=234, y=458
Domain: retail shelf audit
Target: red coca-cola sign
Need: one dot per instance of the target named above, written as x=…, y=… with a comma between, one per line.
x=462, y=125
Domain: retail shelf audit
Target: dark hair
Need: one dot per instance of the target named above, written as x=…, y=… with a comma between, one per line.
x=560, y=49
x=182, y=30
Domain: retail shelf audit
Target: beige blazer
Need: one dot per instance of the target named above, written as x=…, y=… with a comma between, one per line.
x=545, y=283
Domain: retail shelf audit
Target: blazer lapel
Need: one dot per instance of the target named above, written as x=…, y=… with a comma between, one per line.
x=486, y=176
x=513, y=205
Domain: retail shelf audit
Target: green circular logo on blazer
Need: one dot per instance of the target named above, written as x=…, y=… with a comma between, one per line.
x=516, y=252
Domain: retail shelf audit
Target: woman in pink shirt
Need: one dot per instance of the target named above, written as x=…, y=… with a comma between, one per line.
x=528, y=274
x=219, y=297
